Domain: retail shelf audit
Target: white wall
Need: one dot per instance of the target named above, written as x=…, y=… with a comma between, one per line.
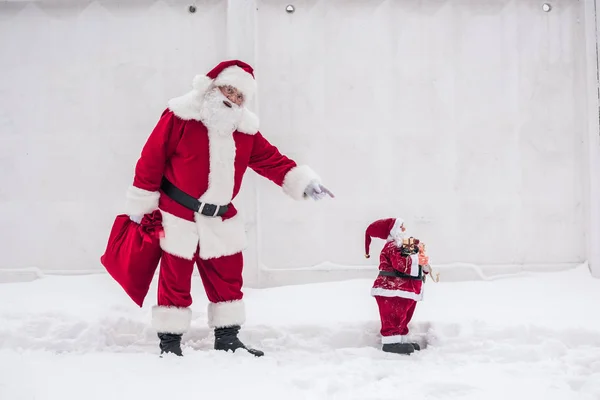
x=592, y=139
x=83, y=84
x=466, y=120
x=472, y=122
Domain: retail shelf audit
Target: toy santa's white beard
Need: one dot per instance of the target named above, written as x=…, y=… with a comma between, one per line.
x=218, y=117
x=399, y=238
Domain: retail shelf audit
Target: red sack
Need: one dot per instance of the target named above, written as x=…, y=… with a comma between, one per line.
x=133, y=252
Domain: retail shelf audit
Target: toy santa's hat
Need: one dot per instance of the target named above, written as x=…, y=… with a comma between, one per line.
x=382, y=229
x=233, y=72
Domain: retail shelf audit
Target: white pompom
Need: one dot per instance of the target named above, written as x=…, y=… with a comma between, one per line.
x=201, y=83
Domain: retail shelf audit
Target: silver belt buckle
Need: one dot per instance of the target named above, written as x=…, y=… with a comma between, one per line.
x=201, y=209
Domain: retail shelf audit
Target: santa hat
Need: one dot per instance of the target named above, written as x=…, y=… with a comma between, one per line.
x=233, y=72
x=382, y=229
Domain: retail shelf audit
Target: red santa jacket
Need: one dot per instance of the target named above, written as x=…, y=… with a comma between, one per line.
x=391, y=259
x=209, y=167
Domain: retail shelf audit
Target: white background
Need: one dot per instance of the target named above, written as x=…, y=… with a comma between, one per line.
x=471, y=122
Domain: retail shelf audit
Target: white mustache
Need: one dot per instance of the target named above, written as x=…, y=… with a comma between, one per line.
x=219, y=113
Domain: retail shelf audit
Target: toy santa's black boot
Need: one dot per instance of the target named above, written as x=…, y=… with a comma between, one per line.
x=170, y=343
x=226, y=339
x=398, y=348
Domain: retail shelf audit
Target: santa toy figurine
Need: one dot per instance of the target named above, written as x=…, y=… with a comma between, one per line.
x=403, y=266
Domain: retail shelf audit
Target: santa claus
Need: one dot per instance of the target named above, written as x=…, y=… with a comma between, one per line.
x=398, y=287
x=191, y=169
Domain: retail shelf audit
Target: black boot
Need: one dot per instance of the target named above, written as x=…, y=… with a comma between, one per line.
x=226, y=339
x=417, y=346
x=398, y=348
x=170, y=343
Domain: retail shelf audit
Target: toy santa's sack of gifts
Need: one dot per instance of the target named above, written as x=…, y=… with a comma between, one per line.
x=133, y=253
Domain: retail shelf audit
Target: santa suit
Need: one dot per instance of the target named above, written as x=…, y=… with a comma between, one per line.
x=208, y=165
x=396, y=296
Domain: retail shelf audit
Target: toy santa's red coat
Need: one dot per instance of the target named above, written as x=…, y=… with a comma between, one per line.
x=391, y=260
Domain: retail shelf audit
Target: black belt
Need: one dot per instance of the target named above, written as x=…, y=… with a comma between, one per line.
x=398, y=274
x=210, y=210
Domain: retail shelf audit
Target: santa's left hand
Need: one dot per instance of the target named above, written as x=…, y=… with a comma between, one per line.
x=426, y=269
x=317, y=191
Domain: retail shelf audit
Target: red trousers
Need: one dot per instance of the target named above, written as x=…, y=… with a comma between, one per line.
x=221, y=277
x=222, y=281
x=395, y=314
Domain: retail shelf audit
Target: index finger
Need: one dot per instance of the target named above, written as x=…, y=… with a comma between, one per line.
x=328, y=192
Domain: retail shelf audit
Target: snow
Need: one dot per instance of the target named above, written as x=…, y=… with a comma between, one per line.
x=521, y=336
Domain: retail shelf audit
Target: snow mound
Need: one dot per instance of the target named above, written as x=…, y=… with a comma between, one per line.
x=521, y=337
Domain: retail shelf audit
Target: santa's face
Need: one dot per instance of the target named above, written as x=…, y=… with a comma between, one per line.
x=399, y=233
x=232, y=94
x=219, y=114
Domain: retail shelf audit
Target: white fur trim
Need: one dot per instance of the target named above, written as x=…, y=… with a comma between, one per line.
x=139, y=201
x=238, y=78
x=414, y=265
x=249, y=123
x=397, y=293
x=297, y=179
x=220, y=238
x=188, y=106
x=394, y=339
x=226, y=313
x=396, y=231
x=221, y=173
x=215, y=237
x=181, y=236
x=171, y=319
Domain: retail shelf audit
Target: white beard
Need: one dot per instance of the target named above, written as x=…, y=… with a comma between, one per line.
x=216, y=116
x=398, y=239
